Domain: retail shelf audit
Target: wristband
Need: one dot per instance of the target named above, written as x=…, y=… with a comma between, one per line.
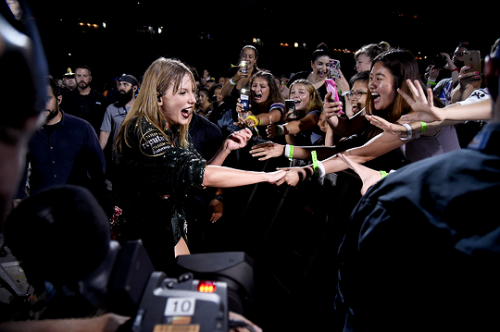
x=431, y=82
x=345, y=93
x=409, y=133
x=383, y=174
x=319, y=169
x=424, y=126
x=456, y=69
x=219, y=198
x=279, y=130
x=289, y=151
x=231, y=81
x=255, y=119
x=314, y=157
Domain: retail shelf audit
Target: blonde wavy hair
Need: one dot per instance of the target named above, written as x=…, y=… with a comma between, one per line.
x=315, y=102
x=158, y=77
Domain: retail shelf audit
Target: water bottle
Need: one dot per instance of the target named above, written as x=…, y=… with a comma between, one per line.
x=245, y=100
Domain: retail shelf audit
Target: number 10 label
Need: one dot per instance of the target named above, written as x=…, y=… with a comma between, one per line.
x=180, y=306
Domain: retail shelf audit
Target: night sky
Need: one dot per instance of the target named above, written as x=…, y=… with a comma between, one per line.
x=209, y=34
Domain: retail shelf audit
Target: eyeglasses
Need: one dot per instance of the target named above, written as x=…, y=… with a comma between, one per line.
x=355, y=95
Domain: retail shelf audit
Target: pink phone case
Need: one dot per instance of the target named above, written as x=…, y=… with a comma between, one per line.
x=331, y=86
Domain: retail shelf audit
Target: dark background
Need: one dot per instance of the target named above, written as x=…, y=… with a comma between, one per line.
x=210, y=34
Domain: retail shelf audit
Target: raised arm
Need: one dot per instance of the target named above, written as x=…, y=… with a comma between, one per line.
x=424, y=109
x=234, y=141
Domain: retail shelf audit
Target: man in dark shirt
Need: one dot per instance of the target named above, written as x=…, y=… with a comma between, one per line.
x=423, y=245
x=85, y=102
x=64, y=150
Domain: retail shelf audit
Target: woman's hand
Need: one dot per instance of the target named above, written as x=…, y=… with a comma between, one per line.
x=449, y=61
x=341, y=82
x=267, y=150
x=392, y=128
x=423, y=108
x=242, y=123
x=239, y=75
x=432, y=74
x=276, y=177
x=238, y=139
x=467, y=74
x=271, y=128
x=368, y=176
x=216, y=209
x=293, y=176
x=331, y=108
x=237, y=317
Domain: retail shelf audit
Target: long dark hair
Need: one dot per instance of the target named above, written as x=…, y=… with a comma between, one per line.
x=403, y=66
x=275, y=96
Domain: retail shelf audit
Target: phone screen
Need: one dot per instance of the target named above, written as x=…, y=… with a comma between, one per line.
x=290, y=106
x=334, y=68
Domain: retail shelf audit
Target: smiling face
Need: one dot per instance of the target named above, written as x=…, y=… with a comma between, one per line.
x=249, y=55
x=363, y=62
x=301, y=96
x=260, y=90
x=382, y=87
x=321, y=66
x=218, y=94
x=176, y=106
x=360, y=88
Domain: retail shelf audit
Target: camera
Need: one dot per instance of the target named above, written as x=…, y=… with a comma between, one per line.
x=74, y=252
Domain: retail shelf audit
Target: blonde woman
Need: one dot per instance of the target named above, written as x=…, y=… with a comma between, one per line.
x=157, y=164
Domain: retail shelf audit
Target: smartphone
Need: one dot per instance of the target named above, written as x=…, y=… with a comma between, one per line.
x=331, y=86
x=290, y=106
x=334, y=68
x=473, y=59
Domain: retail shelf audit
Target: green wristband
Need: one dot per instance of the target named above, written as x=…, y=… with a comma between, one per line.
x=314, y=157
x=290, y=154
x=383, y=174
x=424, y=126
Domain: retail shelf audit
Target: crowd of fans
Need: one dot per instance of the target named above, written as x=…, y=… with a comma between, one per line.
x=384, y=119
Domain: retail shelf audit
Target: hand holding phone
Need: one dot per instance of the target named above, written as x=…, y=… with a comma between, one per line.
x=334, y=68
x=332, y=87
x=472, y=59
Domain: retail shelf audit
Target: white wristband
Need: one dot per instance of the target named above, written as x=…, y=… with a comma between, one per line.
x=409, y=132
x=279, y=130
x=321, y=170
x=287, y=150
x=231, y=81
